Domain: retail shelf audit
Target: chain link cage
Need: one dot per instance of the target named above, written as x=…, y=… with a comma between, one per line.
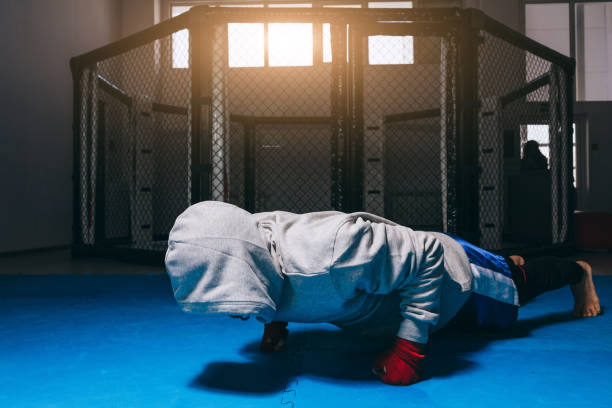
x=420, y=116
x=524, y=145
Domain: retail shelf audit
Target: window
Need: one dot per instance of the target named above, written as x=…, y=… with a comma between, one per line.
x=383, y=49
x=327, y=51
x=291, y=44
x=180, y=41
x=540, y=134
x=245, y=44
x=244, y=36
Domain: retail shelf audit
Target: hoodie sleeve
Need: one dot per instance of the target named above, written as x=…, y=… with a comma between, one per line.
x=374, y=256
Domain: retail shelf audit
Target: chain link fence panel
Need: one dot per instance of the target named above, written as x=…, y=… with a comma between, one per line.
x=232, y=111
x=134, y=145
x=524, y=147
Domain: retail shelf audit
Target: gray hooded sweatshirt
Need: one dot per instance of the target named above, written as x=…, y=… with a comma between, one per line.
x=354, y=270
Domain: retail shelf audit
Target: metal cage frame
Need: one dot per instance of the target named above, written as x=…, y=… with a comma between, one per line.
x=465, y=115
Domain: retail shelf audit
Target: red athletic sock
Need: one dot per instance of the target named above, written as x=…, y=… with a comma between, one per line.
x=401, y=364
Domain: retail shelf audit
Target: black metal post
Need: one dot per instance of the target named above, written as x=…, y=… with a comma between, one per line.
x=355, y=145
x=339, y=114
x=570, y=87
x=468, y=170
x=449, y=122
x=76, y=126
x=89, y=193
x=100, y=223
x=195, y=51
x=249, y=167
x=206, y=124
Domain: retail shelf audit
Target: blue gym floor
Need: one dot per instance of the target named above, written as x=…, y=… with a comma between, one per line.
x=121, y=341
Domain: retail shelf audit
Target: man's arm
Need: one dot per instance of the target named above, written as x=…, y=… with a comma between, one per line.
x=402, y=363
x=379, y=257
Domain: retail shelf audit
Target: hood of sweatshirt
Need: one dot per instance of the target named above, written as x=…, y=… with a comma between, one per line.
x=218, y=262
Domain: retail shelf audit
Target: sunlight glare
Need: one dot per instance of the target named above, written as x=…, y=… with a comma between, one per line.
x=180, y=41
x=290, y=44
x=246, y=44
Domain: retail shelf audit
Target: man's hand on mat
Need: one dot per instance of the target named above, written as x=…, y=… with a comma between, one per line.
x=401, y=364
x=274, y=337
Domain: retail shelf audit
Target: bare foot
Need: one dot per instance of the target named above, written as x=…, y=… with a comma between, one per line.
x=517, y=259
x=586, y=301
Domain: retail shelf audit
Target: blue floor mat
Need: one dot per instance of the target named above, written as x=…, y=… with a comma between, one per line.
x=109, y=341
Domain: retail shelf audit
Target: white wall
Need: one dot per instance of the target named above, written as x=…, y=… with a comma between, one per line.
x=553, y=30
x=137, y=15
x=40, y=36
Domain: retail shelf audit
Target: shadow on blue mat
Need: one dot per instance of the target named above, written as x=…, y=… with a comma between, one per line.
x=326, y=354
x=336, y=356
x=448, y=347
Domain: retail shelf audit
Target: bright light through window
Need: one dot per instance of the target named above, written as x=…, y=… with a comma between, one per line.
x=245, y=41
x=383, y=49
x=390, y=4
x=327, y=55
x=243, y=5
x=386, y=50
x=290, y=44
x=246, y=44
x=296, y=5
x=540, y=134
x=180, y=41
